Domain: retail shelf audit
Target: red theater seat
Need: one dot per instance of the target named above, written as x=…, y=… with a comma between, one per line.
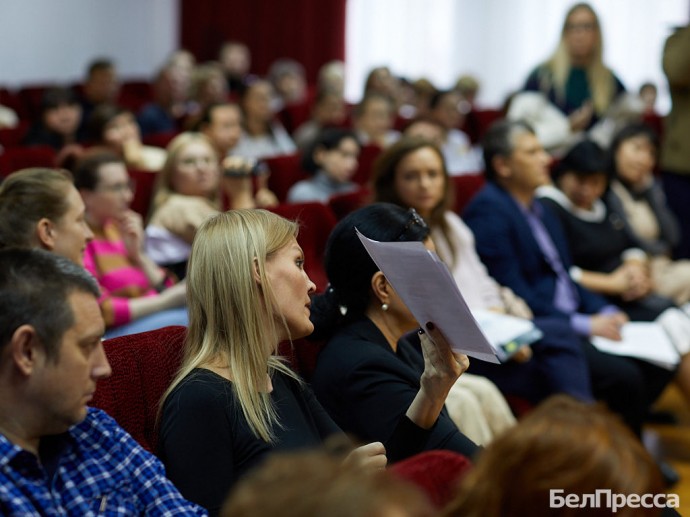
x=466, y=186
x=16, y=158
x=286, y=170
x=316, y=222
x=143, y=367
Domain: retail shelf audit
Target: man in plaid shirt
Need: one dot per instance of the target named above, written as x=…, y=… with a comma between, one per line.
x=58, y=457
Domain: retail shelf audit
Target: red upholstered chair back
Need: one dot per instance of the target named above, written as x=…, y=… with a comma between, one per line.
x=144, y=183
x=143, y=366
x=16, y=158
x=316, y=222
x=466, y=186
x=343, y=204
x=286, y=170
x=12, y=137
x=437, y=473
x=367, y=156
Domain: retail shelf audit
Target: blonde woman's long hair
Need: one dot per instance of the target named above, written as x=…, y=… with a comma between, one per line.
x=600, y=78
x=231, y=316
x=164, y=184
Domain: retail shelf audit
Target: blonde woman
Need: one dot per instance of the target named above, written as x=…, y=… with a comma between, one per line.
x=575, y=78
x=233, y=400
x=188, y=191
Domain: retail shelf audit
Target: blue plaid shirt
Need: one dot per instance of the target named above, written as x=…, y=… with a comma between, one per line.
x=95, y=468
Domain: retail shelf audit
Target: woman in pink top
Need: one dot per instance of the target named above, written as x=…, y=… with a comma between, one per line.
x=137, y=295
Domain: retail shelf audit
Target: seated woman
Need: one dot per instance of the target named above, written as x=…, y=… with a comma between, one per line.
x=603, y=253
x=188, y=191
x=367, y=374
x=412, y=173
x=373, y=119
x=637, y=197
x=117, y=129
x=58, y=123
x=41, y=208
x=233, y=400
x=136, y=294
x=263, y=135
x=332, y=160
x=606, y=257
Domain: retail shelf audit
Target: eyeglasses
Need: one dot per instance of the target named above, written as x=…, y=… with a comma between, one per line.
x=414, y=219
x=118, y=188
x=585, y=26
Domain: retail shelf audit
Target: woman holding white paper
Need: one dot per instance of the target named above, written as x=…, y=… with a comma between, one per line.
x=412, y=173
x=369, y=372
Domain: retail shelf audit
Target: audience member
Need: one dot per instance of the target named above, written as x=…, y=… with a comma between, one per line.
x=188, y=191
x=562, y=447
x=263, y=135
x=324, y=486
x=331, y=77
x=412, y=174
x=575, y=78
x=368, y=373
x=222, y=125
x=233, y=400
x=101, y=86
x=41, y=208
x=637, y=197
x=58, y=125
x=381, y=80
x=648, y=93
x=289, y=83
x=208, y=86
x=373, y=120
x=332, y=161
x=468, y=87
x=117, y=129
x=425, y=128
x=328, y=110
x=171, y=104
x=524, y=248
x=603, y=253
x=136, y=294
x=60, y=457
x=235, y=59
x=675, y=153
x=459, y=155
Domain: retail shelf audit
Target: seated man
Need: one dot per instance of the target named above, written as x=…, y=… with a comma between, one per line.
x=523, y=247
x=58, y=456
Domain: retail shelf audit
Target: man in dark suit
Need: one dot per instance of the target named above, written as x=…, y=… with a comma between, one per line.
x=524, y=248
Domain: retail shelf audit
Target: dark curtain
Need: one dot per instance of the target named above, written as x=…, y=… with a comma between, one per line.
x=309, y=31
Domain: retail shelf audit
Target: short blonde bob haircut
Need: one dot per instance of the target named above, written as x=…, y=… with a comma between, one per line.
x=232, y=316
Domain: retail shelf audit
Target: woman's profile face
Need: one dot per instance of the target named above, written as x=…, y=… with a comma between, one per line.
x=70, y=232
x=419, y=180
x=339, y=163
x=635, y=160
x=196, y=170
x=291, y=287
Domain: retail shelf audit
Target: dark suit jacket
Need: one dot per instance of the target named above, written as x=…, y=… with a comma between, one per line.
x=367, y=388
x=509, y=250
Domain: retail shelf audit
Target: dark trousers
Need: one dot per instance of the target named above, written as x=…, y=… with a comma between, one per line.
x=628, y=386
x=677, y=190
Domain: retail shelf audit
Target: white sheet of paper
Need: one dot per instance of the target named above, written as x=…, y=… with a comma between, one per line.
x=506, y=333
x=428, y=289
x=643, y=340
